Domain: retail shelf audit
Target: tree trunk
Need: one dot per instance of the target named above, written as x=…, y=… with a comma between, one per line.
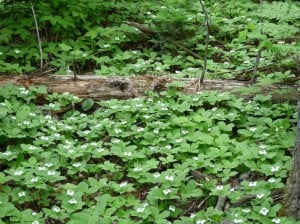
x=96, y=87
x=293, y=186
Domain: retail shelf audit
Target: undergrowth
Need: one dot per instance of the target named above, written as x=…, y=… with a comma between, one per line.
x=168, y=158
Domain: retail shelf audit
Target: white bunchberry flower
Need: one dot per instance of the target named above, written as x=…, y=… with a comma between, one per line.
x=34, y=179
x=246, y=210
x=35, y=222
x=18, y=173
x=275, y=168
x=17, y=51
x=280, y=42
x=48, y=164
x=271, y=180
x=261, y=195
x=276, y=220
x=51, y=173
x=70, y=192
x=72, y=201
x=172, y=208
x=262, y=152
x=253, y=129
x=168, y=147
x=156, y=175
x=128, y=154
x=140, y=210
x=137, y=169
x=192, y=215
x=56, y=209
x=167, y=191
x=170, y=178
x=202, y=221
x=264, y=211
x=123, y=184
x=40, y=168
x=118, y=131
x=140, y=129
x=21, y=194
x=76, y=165
x=238, y=220
x=252, y=184
x=219, y=187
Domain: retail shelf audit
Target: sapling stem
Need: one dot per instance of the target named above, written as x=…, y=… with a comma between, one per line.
x=38, y=36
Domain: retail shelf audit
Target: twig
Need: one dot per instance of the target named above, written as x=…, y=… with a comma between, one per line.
x=38, y=36
x=206, y=42
x=220, y=204
x=258, y=56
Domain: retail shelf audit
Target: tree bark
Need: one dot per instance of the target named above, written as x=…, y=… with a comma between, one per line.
x=103, y=87
x=293, y=185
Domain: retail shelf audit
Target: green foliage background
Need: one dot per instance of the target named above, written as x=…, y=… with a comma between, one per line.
x=86, y=36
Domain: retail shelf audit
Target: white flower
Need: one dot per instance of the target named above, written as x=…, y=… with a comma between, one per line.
x=226, y=63
x=34, y=179
x=172, y=208
x=123, y=184
x=195, y=158
x=179, y=140
x=262, y=152
x=140, y=210
x=106, y=45
x=252, y=184
x=170, y=178
x=246, y=210
x=44, y=138
x=21, y=194
x=280, y=42
x=220, y=187
x=48, y=164
x=17, y=51
x=7, y=153
x=116, y=140
x=232, y=51
x=41, y=168
x=140, y=129
x=72, y=201
x=276, y=220
x=253, y=129
x=261, y=195
x=70, y=192
x=100, y=150
x=136, y=169
x=26, y=122
x=35, y=222
x=118, y=131
x=202, y=221
x=76, y=165
x=156, y=175
x=51, y=173
x=264, y=211
x=33, y=213
x=168, y=147
x=192, y=215
x=18, y=173
x=56, y=209
x=167, y=191
x=274, y=168
x=156, y=131
x=128, y=154
x=238, y=220
x=271, y=180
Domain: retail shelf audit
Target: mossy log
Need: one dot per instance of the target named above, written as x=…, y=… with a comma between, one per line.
x=104, y=87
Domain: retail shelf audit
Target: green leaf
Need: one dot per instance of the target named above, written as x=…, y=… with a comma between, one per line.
x=87, y=104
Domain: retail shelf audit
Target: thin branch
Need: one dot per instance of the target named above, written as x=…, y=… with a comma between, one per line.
x=258, y=56
x=38, y=36
x=206, y=41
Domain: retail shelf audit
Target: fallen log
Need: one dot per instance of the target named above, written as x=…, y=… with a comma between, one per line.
x=107, y=87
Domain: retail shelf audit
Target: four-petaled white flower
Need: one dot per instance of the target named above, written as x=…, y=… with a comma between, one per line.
x=168, y=147
x=238, y=220
x=202, y=221
x=128, y=154
x=140, y=129
x=51, y=173
x=274, y=168
x=246, y=210
x=118, y=131
x=264, y=211
x=172, y=208
x=56, y=209
x=136, y=169
x=21, y=194
x=167, y=191
x=156, y=175
x=262, y=152
x=271, y=180
x=17, y=51
x=261, y=195
x=70, y=192
x=34, y=179
x=35, y=222
x=140, y=210
x=123, y=184
x=252, y=184
x=276, y=220
x=170, y=178
x=48, y=164
x=192, y=215
x=72, y=201
x=220, y=187
x=76, y=165
x=18, y=173
x=253, y=129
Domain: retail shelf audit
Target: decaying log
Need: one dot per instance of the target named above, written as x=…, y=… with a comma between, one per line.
x=103, y=87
